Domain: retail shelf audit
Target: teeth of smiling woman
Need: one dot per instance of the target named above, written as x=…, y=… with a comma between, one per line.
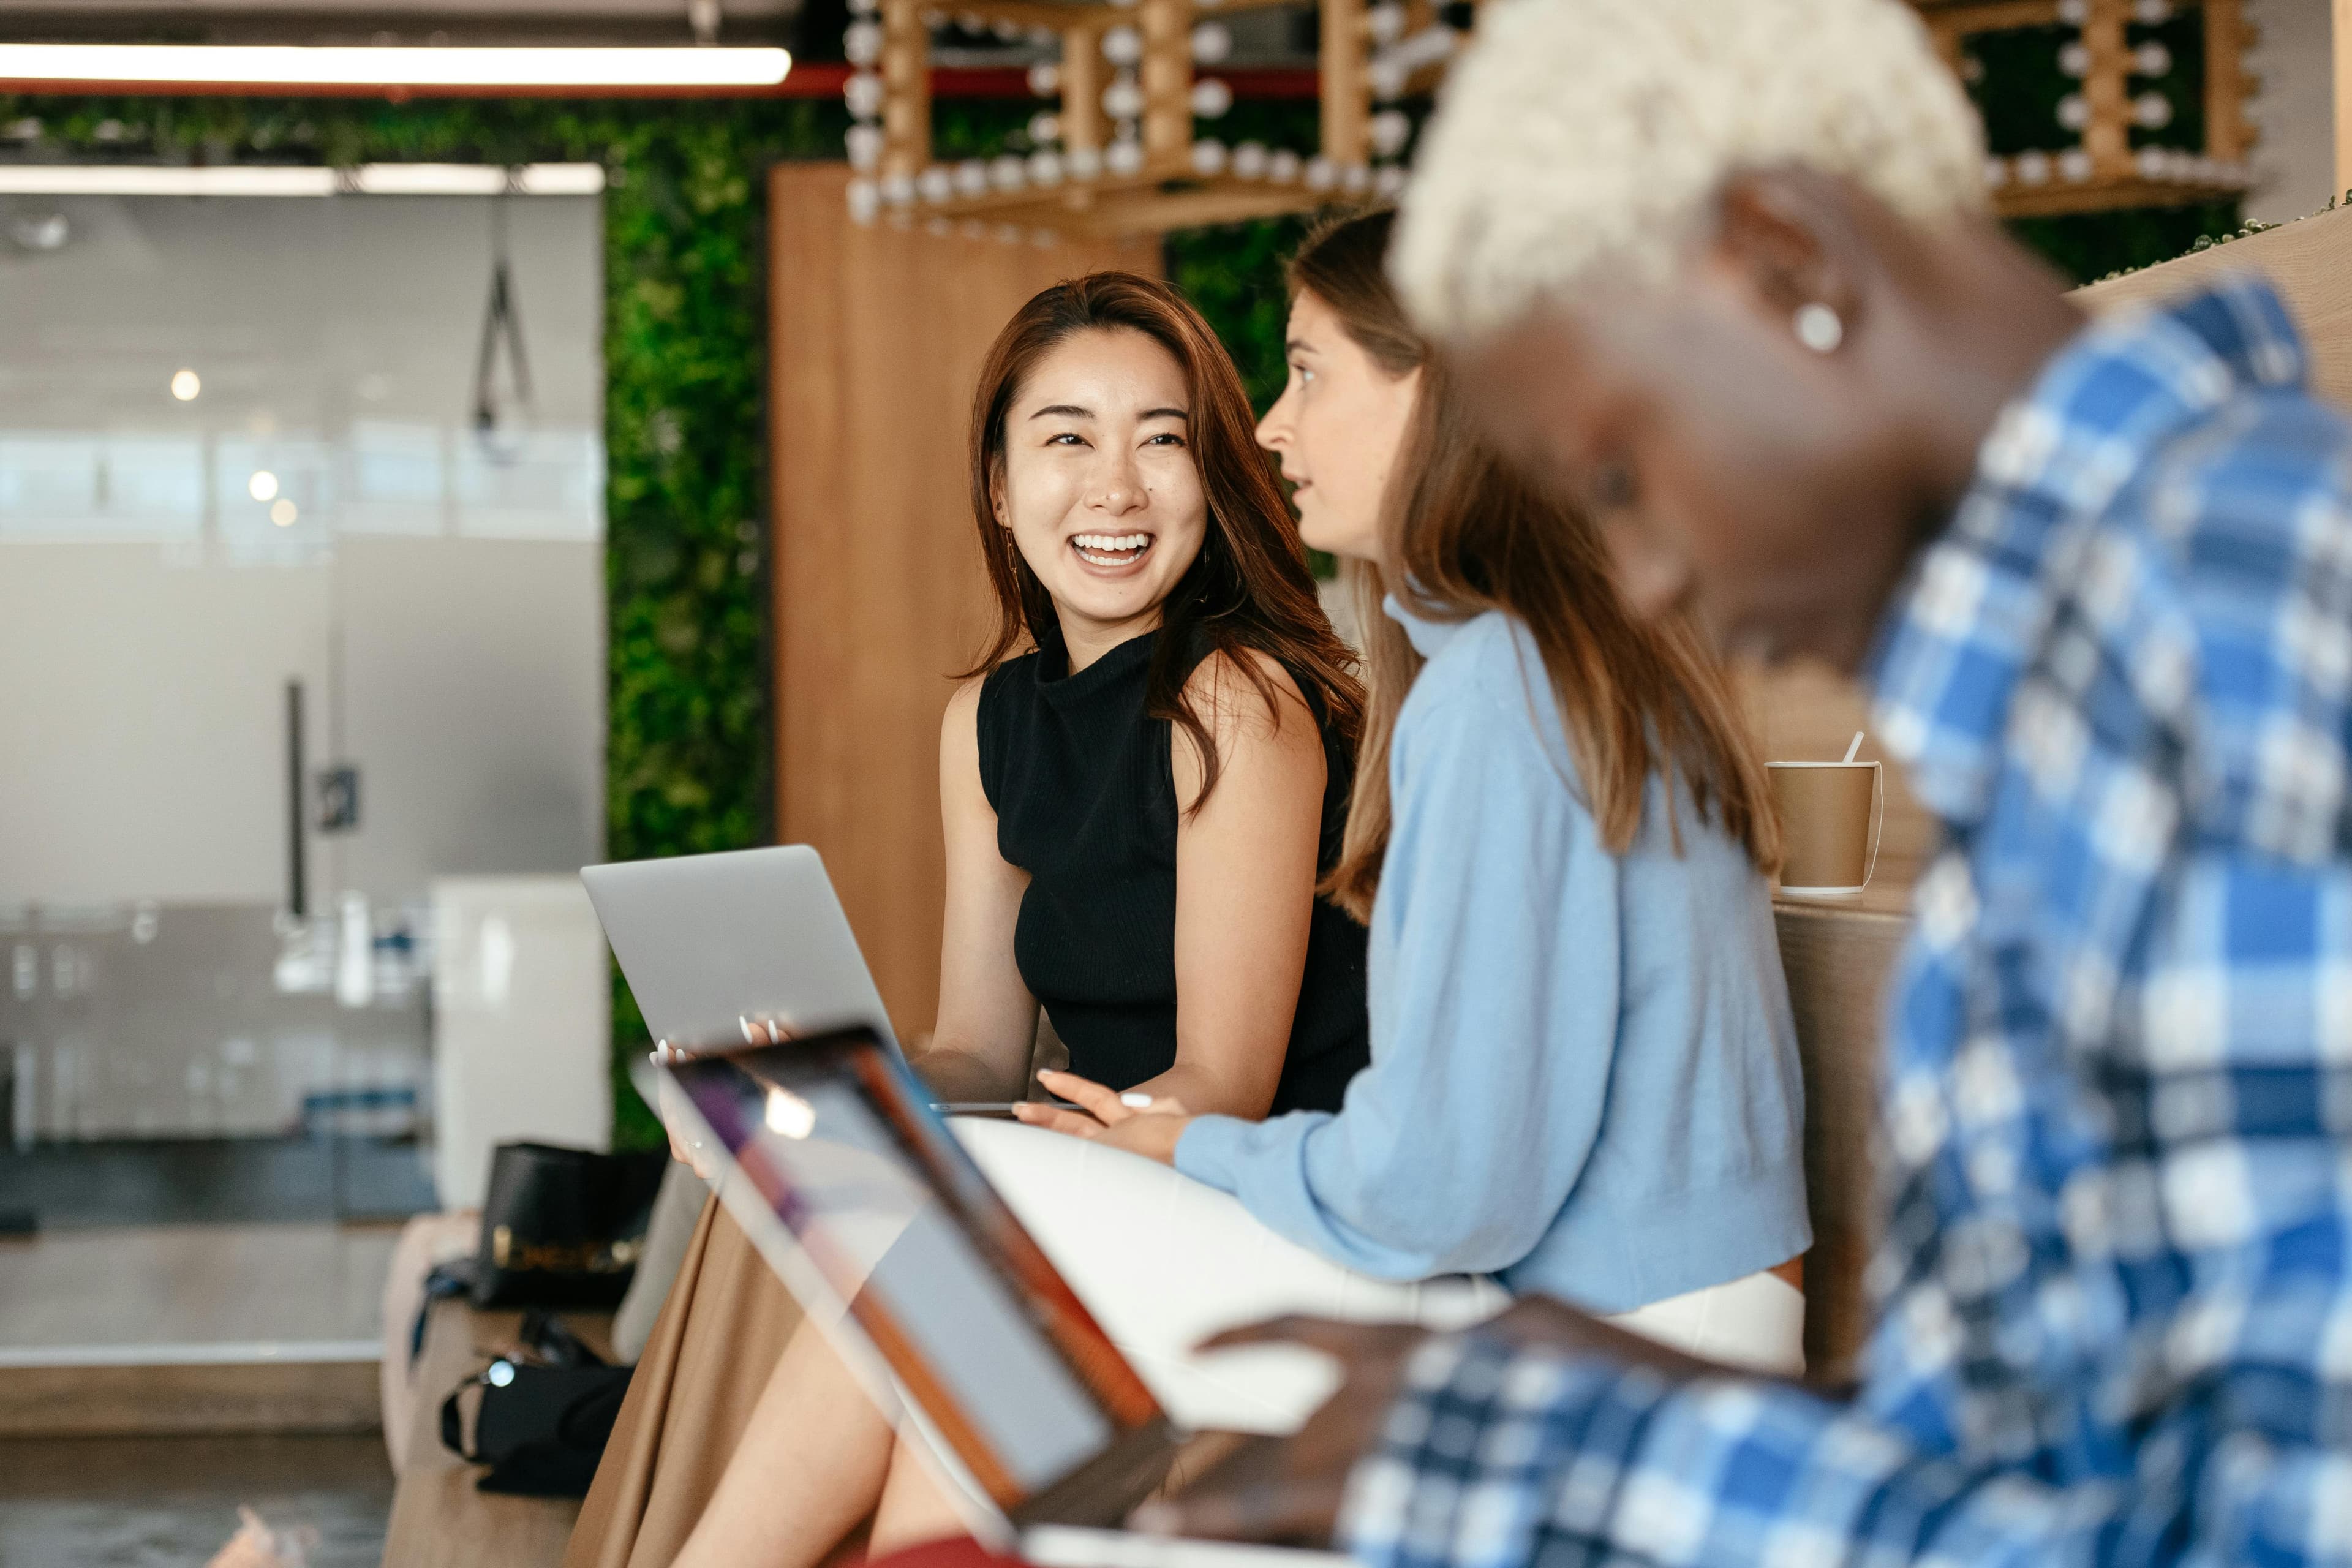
x=1092, y=546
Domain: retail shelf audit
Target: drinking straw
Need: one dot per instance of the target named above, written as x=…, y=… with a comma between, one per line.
x=1856, y=747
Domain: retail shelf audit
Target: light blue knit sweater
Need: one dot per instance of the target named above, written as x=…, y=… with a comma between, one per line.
x=1584, y=1075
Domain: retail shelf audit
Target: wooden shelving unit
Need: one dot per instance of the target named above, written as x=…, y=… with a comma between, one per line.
x=2103, y=170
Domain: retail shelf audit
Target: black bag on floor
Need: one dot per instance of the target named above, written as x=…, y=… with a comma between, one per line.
x=561, y=1227
x=542, y=1429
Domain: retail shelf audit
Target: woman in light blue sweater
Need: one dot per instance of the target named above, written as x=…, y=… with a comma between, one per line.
x=1584, y=1075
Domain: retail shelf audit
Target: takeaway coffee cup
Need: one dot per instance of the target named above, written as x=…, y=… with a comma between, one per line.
x=1830, y=813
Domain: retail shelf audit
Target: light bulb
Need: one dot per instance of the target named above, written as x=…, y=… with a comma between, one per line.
x=1084, y=162
x=282, y=512
x=1125, y=158
x=937, y=183
x=1008, y=173
x=2033, y=168
x=1282, y=166
x=865, y=148
x=2152, y=59
x=262, y=486
x=1212, y=42
x=186, y=385
x=2075, y=59
x=1045, y=167
x=972, y=178
x=864, y=201
x=862, y=94
x=1321, y=174
x=1208, y=158
x=2075, y=165
x=2151, y=112
x=1385, y=23
x=1211, y=96
x=862, y=43
x=1391, y=131
x=1123, y=100
x=1250, y=160
x=1996, y=173
x=1046, y=79
x=1044, y=128
x=2074, y=111
x=1122, y=45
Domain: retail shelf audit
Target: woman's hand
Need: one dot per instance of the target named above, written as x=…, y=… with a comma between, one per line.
x=685, y=1145
x=1106, y=1116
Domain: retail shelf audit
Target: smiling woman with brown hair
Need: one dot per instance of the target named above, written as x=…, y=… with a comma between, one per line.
x=1127, y=799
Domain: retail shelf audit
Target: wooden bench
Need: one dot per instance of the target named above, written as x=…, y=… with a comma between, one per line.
x=439, y=1519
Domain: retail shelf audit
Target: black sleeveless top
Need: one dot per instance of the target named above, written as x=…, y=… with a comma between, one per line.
x=1084, y=803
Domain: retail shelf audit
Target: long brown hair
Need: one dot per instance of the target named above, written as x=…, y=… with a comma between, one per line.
x=1461, y=533
x=1249, y=589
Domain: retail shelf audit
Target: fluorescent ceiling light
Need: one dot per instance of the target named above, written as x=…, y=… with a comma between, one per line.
x=298, y=180
x=368, y=66
x=478, y=179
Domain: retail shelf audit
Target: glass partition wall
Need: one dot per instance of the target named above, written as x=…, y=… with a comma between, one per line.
x=300, y=609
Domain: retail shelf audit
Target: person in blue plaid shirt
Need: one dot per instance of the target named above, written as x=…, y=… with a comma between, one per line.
x=1723, y=266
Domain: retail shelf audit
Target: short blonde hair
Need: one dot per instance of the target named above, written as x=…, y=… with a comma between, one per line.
x=1575, y=135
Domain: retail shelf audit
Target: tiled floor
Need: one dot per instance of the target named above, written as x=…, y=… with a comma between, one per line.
x=209, y=1288
x=170, y=1502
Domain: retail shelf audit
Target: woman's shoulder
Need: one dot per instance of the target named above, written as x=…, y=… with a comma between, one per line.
x=1480, y=723
x=1243, y=690
x=1486, y=679
x=986, y=690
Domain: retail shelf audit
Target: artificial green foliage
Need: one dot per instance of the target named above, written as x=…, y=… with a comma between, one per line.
x=1233, y=274
x=2087, y=247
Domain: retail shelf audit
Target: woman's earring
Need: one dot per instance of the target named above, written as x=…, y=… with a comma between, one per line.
x=1819, y=328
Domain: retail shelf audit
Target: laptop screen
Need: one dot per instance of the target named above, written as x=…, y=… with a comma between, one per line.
x=981, y=1331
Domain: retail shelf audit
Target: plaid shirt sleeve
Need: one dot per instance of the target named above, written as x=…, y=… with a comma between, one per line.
x=2115, y=1289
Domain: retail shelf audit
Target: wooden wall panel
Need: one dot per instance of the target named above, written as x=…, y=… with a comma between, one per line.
x=876, y=337
x=2308, y=261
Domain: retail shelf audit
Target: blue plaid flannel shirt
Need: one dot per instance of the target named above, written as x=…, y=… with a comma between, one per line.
x=2114, y=1285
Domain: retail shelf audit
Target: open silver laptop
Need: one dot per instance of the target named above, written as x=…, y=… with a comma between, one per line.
x=826, y=1152
x=708, y=941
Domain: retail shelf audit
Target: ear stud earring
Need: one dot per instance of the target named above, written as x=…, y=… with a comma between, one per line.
x=1819, y=328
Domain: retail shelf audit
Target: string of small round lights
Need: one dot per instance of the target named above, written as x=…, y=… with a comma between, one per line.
x=2150, y=109
x=1121, y=160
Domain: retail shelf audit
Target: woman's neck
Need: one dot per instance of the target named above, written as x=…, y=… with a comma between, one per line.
x=1085, y=640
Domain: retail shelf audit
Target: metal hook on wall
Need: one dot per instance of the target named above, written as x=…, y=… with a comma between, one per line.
x=501, y=323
